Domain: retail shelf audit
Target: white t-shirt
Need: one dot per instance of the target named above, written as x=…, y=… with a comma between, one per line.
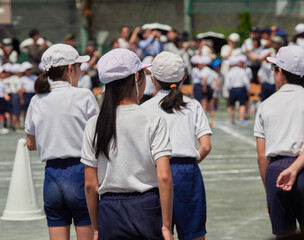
x=14, y=83
x=57, y=119
x=85, y=82
x=27, y=84
x=196, y=76
x=142, y=137
x=280, y=120
x=209, y=74
x=237, y=77
x=265, y=73
x=123, y=43
x=185, y=125
x=3, y=88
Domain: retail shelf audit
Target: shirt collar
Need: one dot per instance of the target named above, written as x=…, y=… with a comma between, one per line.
x=127, y=107
x=59, y=84
x=162, y=92
x=290, y=88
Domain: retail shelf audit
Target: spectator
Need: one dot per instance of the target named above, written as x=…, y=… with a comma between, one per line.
x=150, y=45
x=124, y=33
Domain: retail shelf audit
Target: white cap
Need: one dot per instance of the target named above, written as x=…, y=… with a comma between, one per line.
x=233, y=60
x=289, y=58
x=117, y=64
x=41, y=67
x=204, y=60
x=299, y=28
x=234, y=37
x=27, y=65
x=84, y=67
x=242, y=58
x=61, y=55
x=16, y=68
x=7, y=67
x=168, y=67
x=194, y=59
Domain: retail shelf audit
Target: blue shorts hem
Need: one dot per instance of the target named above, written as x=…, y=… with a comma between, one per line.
x=194, y=235
x=57, y=223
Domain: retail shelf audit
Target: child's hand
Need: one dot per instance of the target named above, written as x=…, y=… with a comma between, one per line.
x=286, y=179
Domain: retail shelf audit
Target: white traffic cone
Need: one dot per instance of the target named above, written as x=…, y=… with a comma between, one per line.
x=21, y=204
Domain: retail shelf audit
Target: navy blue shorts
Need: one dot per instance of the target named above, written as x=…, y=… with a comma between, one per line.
x=15, y=106
x=238, y=94
x=3, y=106
x=63, y=193
x=285, y=207
x=27, y=99
x=198, y=92
x=267, y=90
x=208, y=94
x=189, y=204
x=130, y=216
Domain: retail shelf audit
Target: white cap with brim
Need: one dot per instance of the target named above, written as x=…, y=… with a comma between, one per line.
x=233, y=60
x=61, y=55
x=204, y=60
x=27, y=65
x=168, y=67
x=289, y=58
x=117, y=64
x=299, y=28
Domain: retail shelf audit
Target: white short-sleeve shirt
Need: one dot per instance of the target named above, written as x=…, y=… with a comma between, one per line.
x=209, y=74
x=184, y=126
x=142, y=137
x=85, y=82
x=3, y=89
x=57, y=119
x=27, y=84
x=196, y=76
x=265, y=73
x=237, y=77
x=280, y=120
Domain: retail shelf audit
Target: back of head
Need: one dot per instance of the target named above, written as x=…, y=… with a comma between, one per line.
x=168, y=70
x=117, y=70
x=291, y=60
x=55, y=61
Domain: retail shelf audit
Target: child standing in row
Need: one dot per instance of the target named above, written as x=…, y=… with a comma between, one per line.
x=189, y=205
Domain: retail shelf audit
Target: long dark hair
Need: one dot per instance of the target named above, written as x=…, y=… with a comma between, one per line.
x=42, y=84
x=174, y=100
x=105, y=130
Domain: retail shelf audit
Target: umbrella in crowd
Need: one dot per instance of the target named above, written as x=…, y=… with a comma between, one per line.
x=217, y=38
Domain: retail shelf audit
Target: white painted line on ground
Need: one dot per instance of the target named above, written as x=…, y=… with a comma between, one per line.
x=232, y=171
x=235, y=179
x=234, y=156
x=237, y=135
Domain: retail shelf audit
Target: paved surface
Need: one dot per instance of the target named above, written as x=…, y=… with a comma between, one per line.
x=235, y=195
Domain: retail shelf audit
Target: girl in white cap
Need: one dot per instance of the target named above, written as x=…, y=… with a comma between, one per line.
x=126, y=151
x=186, y=120
x=54, y=125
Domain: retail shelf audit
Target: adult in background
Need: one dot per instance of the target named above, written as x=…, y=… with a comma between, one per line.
x=54, y=126
x=35, y=50
x=124, y=34
x=151, y=44
x=279, y=127
x=298, y=38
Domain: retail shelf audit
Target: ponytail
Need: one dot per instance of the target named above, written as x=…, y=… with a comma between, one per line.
x=174, y=100
x=42, y=84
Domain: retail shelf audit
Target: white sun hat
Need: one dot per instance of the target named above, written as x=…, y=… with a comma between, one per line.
x=168, y=67
x=289, y=58
x=84, y=67
x=299, y=28
x=117, y=64
x=204, y=60
x=61, y=55
x=27, y=65
x=234, y=37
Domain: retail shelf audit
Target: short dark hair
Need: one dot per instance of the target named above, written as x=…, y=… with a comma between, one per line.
x=293, y=78
x=33, y=32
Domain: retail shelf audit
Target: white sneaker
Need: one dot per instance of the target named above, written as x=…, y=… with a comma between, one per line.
x=4, y=131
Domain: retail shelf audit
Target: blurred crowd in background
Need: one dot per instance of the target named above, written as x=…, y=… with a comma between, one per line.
x=209, y=59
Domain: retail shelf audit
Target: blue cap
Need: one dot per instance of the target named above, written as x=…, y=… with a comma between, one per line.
x=216, y=63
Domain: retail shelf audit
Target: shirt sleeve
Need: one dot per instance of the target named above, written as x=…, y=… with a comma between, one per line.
x=87, y=150
x=259, y=125
x=92, y=106
x=160, y=141
x=29, y=126
x=201, y=121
